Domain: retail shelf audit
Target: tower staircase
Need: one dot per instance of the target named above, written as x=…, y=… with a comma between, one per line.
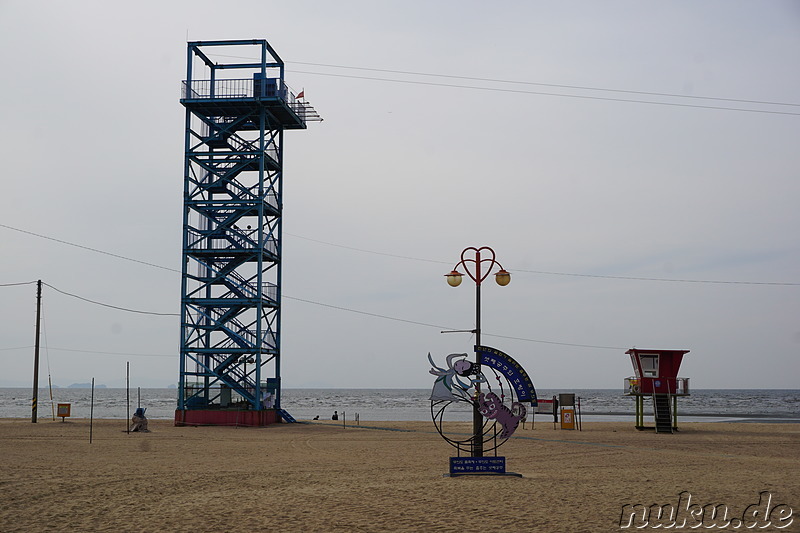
x=662, y=413
x=289, y=419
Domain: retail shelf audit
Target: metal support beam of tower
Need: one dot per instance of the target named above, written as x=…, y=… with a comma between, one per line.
x=236, y=113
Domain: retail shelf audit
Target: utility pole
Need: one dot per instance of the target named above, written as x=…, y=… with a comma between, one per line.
x=35, y=399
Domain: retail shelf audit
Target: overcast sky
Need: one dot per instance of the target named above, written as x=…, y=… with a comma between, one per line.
x=564, y=182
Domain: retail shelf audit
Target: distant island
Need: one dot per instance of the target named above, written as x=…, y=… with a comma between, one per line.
x=85, y=386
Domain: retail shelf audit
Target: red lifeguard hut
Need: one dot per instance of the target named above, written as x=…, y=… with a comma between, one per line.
x=656, y=377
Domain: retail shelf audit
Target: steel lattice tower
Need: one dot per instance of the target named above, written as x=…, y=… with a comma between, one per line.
x=236, y=112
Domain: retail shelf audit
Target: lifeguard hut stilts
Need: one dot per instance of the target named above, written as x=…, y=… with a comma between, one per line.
x=656, y=377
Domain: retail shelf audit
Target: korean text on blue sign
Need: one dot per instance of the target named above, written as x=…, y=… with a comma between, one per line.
x=506, y=365
x=477, y=465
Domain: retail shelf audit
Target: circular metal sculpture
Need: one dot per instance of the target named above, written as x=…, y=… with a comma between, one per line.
x=496, y=388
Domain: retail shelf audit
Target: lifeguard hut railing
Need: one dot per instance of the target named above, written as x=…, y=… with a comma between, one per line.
x=633, y=386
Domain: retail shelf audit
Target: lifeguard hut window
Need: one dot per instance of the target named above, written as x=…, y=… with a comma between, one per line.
x=649, y=365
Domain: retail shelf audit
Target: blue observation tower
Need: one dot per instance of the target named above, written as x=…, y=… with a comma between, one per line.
x=237, y=108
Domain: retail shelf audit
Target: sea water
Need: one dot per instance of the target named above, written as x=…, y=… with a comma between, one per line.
x=762, y=405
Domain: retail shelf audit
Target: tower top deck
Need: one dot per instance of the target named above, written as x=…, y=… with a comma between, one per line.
x=233, y=78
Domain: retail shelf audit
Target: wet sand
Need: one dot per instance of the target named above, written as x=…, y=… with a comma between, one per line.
x=386, y=477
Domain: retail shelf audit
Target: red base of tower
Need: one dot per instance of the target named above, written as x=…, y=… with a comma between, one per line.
x=223, y=417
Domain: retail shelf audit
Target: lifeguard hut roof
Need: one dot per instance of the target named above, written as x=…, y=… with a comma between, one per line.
x=642, y=350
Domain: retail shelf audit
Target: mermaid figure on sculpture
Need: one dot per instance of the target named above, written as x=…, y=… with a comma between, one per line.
x=448, y=386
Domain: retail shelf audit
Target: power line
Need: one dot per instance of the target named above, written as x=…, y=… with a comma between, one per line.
x=88, y=248
x=329, y=306
x=410, y=258
x=560, y=95
x=363, y=250
x=93, y=351
x=109, y=305
x=17, y=284
x=376, y=315
x=668, y=280
x=386, y=317
x=556, y=85
x=555, y=342
x=631, y=278
x=113, y=353
x=520, y=82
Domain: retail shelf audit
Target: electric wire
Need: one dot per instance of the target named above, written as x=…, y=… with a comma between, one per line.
x=75, y=350
x=363, y=250
x=365, y=313
x=112, y=353
x=386, y=317
x=411, y=258
x=560, y=95
x=376, y=315
x=556, y=85
x=668, y=280
x=538, y=84
x=16, y=284
x=543, y=272
x=89, y=248
x=329, y=306
x=109, y=305
x=573, y=344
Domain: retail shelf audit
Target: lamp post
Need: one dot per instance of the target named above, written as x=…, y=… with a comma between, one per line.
x=478, y=264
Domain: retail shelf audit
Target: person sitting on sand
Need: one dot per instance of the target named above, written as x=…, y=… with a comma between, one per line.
x=139, y=420
x=335, y=415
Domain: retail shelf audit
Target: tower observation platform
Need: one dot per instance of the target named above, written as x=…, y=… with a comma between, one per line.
x=237, y=108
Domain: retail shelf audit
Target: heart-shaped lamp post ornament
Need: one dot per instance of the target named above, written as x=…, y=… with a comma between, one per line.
x=478, y=263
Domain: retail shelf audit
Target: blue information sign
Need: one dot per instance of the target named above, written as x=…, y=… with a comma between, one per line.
x=477, y=465
x=506, y=365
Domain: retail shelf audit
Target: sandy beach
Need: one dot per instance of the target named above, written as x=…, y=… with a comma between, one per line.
x=384, y=477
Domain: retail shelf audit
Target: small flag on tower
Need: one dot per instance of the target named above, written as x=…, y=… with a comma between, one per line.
x=301, y=94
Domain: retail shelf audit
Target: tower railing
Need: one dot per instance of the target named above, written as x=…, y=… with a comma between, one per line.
x=249, y=88
x=234, y=88
x=230, y=240
x=238, y=88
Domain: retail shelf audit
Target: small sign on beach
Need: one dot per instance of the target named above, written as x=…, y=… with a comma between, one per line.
x=568, y=418
x=477, y=465
x=547, y=407
x=64, y=410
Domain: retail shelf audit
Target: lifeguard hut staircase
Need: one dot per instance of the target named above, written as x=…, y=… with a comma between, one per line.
x=237, y=108
x=656, y=377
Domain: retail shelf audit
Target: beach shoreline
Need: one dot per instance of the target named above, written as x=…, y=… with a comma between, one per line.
x=380, y=476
